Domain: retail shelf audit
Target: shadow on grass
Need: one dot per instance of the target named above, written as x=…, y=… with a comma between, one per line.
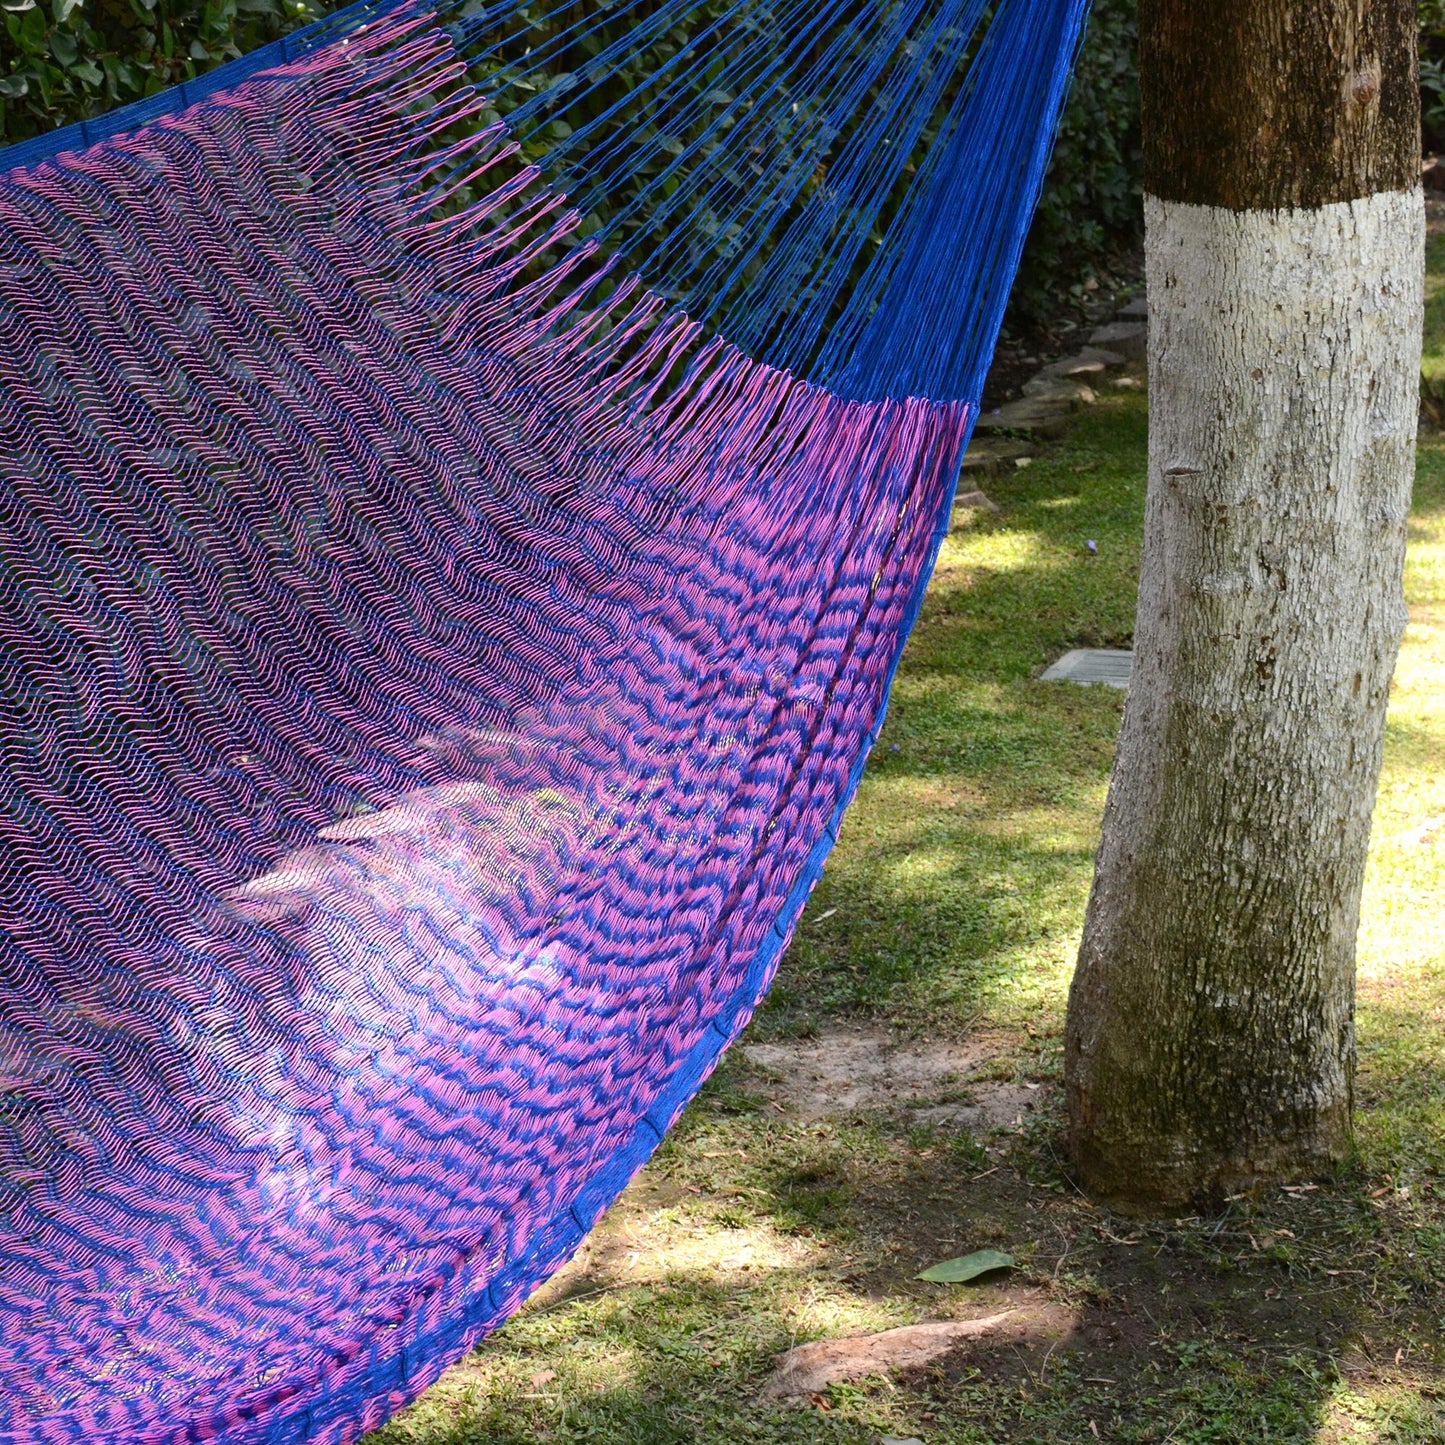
x=932, y=935
x=1304, y=1316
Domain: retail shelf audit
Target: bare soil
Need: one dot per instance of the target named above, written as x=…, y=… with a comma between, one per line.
x=850, y=1070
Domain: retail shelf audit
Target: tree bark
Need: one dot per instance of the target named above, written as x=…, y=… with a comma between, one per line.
x=1256, y=104
x=1210, y=1039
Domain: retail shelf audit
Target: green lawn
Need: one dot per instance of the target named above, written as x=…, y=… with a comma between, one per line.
x=949, y=914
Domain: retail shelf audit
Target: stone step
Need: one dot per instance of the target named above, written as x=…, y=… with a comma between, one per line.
x=1129, y=337
x=1089, y=364
x=995, y=454
x=974, y=502
x=1068, y=390
x=1039, y=420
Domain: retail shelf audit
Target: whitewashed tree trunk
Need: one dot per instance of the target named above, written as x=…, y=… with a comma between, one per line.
x=1210, y=1034
x=1210, y=1040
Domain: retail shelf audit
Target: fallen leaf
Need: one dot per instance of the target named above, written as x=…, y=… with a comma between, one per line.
x=966, y=1267
x=542, y=1377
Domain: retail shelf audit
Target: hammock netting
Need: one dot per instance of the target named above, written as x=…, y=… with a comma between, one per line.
x=455, y=542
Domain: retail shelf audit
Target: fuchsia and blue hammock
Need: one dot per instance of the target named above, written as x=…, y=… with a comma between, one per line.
x=452, y=562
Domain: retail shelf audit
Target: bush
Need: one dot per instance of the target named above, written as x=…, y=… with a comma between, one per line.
x=1432, y=73
x=1092, y=206
x=73, y=59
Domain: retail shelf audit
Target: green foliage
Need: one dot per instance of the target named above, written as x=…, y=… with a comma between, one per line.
x=68, y=60
x=1092, y=207
x=1432, y=72
x=656, y=163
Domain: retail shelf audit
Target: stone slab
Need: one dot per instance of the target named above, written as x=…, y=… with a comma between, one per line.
x=974, y=502
x=1084, y=665
x=1129, y=337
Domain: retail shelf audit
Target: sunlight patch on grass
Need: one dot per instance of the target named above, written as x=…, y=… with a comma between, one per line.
x=995, y=550
x=1401, y=946
x=1432, y=362
x=1403, y=912
x=1374, y=1414
x=721, y=1253
x=820, y=1313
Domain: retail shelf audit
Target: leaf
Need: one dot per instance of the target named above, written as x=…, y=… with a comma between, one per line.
x=966, y=1267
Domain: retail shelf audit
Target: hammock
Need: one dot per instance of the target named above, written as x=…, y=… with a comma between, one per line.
x=457, y=534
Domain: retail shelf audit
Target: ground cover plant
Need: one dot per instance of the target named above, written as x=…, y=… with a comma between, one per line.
x=896, y=1102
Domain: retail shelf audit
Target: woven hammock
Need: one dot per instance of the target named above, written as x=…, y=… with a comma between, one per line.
x=457, y=532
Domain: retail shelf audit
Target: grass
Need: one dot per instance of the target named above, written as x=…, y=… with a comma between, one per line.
x=950, y=911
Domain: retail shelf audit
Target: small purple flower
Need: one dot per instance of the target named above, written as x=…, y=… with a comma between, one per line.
x=1092, y=545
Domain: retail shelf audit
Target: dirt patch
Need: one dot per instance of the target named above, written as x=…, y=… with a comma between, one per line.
x=845, y=1071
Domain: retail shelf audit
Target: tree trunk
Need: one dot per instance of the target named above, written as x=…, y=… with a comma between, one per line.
x=1210, y=1041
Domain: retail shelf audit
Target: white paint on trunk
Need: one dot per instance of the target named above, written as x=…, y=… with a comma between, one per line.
x=1219, y=946
x=1284, y=395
